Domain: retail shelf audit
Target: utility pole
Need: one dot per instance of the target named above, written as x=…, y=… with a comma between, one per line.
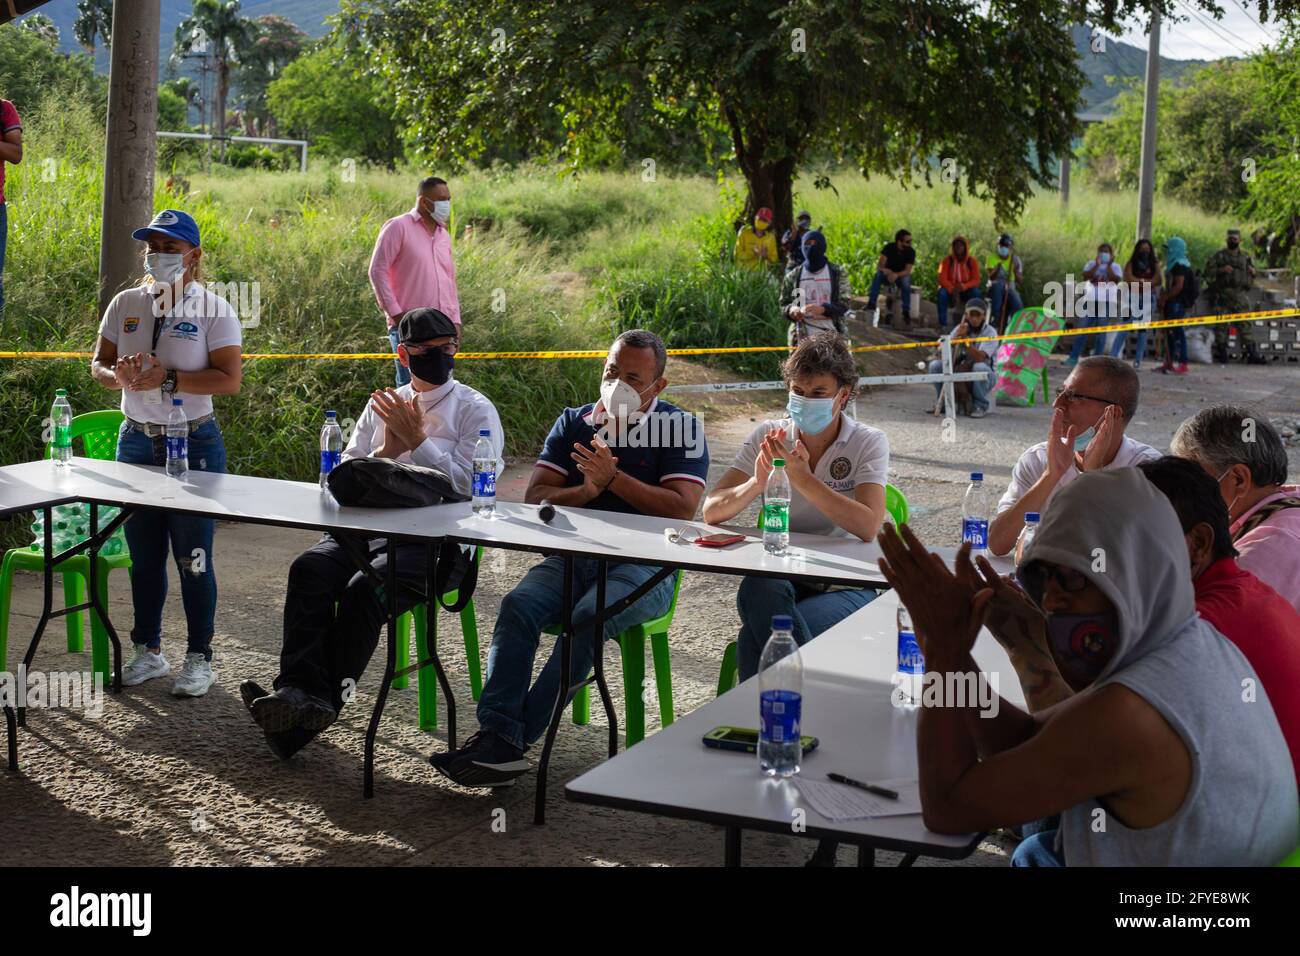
x=130, y=148
x=1147, y=177
x=1065, y=179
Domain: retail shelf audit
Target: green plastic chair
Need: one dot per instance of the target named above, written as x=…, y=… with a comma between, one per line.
x=728, y=673
x=631, y=645
x=98, y=434
x=426, y=684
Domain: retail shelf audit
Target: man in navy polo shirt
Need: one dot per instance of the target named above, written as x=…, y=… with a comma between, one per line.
x=630, y=453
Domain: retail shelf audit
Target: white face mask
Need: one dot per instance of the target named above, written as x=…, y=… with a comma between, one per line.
x=1237, y=498
x=441, y=210
x=619, y=398
x=165, y=266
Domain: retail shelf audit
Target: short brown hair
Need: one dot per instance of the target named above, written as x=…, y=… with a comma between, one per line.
x=826, y=353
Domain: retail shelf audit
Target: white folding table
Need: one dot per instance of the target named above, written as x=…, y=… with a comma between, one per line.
x=846, y=705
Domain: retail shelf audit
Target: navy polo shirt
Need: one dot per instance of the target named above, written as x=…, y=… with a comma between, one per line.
x=667, y=444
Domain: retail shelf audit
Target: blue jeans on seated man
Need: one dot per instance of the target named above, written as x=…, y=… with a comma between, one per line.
x=948, y=299
x=814, y=611
x=403, y=373
x=508, y=707
x=1038, y=849
x=905, y=289
x=997, y=292
x=149, y=533
x=979, y=388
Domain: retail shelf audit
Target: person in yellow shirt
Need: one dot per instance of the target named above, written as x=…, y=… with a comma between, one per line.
x=756, y=244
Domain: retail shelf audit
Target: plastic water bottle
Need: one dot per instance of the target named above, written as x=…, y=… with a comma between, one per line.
x=780, y=701
x=776, y=510
x=910, y=674
x=485, y=475
x=331, y=446
x=1026, y=535
x=178, y=441
x=975, y=516
x=61, y=429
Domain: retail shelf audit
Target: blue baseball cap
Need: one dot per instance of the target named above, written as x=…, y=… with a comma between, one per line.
x=174, y=223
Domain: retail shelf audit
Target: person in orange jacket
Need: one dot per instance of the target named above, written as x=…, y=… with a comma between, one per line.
x=959, y=278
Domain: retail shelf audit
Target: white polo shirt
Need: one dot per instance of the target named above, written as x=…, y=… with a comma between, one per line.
x=200, y=323
x=858, y=456
x=1033, y=463
x=453, y=415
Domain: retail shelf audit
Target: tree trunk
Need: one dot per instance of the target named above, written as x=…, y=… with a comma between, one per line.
x=771, y=185
x=223, y=88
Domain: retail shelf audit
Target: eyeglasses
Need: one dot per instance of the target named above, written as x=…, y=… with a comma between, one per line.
x=1070, y=396
x=449, y=348
x=1037, y=572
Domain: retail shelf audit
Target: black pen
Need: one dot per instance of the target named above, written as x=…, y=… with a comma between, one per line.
x=870, y=788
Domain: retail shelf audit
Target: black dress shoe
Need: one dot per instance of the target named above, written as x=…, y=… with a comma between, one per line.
x=290, y=708
x=284, y=745
x=251, y=690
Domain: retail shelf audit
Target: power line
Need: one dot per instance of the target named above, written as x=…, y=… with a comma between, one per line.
x=1255, y=23
x=1218, y=30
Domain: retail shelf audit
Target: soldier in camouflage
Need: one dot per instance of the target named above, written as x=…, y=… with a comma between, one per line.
x=1229, y=275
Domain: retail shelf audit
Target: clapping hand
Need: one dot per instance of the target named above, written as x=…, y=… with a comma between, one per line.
x=1105, y=443
x=597, y=464
x=1060, y=445
x=947, y=609
x=403, y=421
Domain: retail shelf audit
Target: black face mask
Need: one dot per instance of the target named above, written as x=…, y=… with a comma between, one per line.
x=1233, y=244
x=432, y=367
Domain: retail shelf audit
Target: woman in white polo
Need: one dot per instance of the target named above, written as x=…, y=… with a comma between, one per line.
x=837, y=468
x=170, y=337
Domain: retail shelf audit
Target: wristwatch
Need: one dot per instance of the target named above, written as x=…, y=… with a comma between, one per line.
x=169, y=383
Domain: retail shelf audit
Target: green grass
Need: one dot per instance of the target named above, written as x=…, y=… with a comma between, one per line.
x=573, y=261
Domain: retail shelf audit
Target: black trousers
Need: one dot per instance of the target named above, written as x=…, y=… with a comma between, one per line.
x=333, y=614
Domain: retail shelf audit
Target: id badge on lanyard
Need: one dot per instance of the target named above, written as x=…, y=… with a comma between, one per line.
x=154, y=395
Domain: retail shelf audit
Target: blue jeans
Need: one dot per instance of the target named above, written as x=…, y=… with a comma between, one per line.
x=979, y=389
x=1177, y=335
x=4, y=238
x=149, y=532
x=1037, y=850
x=403, y=373
x=1080, y=341
x=508, y=707
x=904, y=284
x=947, y=299
x=758, y=599
x=997, y=292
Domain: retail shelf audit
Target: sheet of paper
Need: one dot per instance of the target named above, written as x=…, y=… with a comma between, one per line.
x=839, y=801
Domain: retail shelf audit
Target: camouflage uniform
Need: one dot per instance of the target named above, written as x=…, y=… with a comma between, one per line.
x=1229, y=293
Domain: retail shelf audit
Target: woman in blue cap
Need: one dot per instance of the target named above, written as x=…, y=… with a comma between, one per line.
x=170, y=338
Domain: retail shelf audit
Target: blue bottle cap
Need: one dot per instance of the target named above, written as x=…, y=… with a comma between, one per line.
x=977, y=476
x=782, y=622
x=175, y=402
x=330, y=413
x=1032, y=517
x=485, y=433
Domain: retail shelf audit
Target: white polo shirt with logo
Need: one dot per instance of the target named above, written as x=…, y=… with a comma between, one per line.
x=858, y=456
x=200, y=323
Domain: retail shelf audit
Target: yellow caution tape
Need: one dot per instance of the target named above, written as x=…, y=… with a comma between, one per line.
x=602, y=353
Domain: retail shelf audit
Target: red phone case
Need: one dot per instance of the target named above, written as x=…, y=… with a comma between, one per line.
x=720, y=543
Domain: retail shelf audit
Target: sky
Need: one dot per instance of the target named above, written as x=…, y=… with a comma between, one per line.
x=1205, y=38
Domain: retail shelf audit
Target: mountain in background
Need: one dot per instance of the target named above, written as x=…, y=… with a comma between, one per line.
x=1119, y=59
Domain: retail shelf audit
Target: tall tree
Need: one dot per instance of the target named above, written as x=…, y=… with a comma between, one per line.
x=215, y=28
x=38, y=24
x=981, y=93
x=94, y=19
x=276, y=42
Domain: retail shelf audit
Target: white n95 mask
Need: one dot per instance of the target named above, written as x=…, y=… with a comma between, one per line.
x=619, y=398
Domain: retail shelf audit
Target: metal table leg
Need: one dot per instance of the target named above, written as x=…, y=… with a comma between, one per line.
x=562, y=697
x=390, y=664
x=731, y=846
x=99, y=608
x=866, y=856
x=47, y=605
x=598, y=659
x=430, y=609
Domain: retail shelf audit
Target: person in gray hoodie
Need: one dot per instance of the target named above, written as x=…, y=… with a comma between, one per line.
x=1166, y=752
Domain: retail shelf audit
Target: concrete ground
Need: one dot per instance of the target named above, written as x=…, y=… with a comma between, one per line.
x=158, y=781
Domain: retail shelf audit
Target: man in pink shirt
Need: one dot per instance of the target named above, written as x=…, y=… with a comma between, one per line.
x=11, y=151
x=1243, y=452
x=411, y=267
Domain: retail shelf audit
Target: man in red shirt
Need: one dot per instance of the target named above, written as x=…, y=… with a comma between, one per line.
x=11, y=151
x=1263, y=625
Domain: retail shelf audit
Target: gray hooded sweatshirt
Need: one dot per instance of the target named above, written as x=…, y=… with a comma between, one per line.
x=1242, y=808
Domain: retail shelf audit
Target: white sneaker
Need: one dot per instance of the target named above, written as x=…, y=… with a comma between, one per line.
x=196, y=677
x=146, y=665
x=978, y=412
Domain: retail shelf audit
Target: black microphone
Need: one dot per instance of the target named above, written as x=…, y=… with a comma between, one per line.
x=547, y=510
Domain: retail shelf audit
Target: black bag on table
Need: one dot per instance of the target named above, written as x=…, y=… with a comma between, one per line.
x=383, y=483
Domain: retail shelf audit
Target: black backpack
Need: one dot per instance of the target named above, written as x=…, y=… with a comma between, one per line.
x=1191, y=289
